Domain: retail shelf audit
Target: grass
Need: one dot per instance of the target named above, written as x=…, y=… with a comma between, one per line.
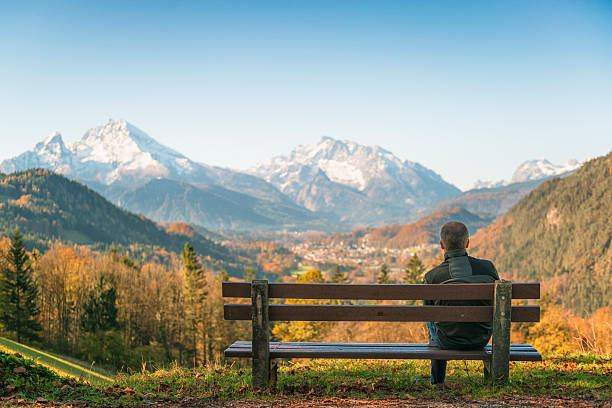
x=587, y=377
x=63, y=366
x=583, y=377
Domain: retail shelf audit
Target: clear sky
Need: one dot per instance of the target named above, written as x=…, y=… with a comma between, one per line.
x=468, y=89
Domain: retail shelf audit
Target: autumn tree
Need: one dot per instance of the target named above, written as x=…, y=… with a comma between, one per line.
x=18, y=292
x=302, y=331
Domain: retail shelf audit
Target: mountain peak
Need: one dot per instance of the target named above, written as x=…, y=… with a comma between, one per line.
x=54, y=137
x=378, y=176
x=540, y=168
x=110, y=152
x=535, y=169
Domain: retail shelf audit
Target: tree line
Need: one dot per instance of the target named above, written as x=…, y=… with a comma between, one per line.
x=104, y=307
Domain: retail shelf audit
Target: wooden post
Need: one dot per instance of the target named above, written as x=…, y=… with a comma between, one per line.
x=273, y=373
x=502, y=307
x=486, y=370
x=261, y=334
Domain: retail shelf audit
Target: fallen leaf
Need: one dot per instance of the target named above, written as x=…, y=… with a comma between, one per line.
x=19, y=370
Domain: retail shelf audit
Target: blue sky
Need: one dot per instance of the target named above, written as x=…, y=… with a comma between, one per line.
x=468, y=89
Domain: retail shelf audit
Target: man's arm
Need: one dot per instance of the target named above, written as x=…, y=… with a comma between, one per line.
x=493, y=270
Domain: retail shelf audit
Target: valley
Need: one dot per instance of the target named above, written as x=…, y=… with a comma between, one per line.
x=148, y=236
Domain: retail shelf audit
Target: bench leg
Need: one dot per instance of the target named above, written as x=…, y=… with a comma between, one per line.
x=273, y=372
x=486, y=370
x=261, y=334
x=500, y=350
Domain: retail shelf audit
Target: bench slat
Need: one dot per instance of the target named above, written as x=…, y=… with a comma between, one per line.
x=382, y=313
x=247, y=343
x=372, y=351
x=472, y=291
x=288, y=345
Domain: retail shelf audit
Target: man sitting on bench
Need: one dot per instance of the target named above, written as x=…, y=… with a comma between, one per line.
x=458, y=267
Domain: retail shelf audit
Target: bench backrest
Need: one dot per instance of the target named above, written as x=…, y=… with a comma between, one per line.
x=389, y=313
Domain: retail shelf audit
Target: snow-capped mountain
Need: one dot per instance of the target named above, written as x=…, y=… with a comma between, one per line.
x=541, y=168
x=136, y=172
x=114, y=152
x=342, y=176
x=531, y=170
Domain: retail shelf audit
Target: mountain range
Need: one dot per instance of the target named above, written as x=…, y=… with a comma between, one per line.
x=332, y=185
x=531, y=170
x=354, y=183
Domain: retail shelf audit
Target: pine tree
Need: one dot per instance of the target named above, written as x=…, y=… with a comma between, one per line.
x=414, y=270
x=338, y=277
x=383, y=276
x=18, y=293
x=195, y=296
x=100, y=310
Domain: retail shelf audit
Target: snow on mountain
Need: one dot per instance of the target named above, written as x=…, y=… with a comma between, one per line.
x=537, y=169
x=115, y=151
x=489, y=184
x=136, y=172
x=317, y=176
x=531, y=170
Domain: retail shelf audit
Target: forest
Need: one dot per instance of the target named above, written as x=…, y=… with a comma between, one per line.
x=107, y=309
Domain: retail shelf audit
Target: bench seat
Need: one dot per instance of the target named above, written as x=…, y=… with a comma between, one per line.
x=518, y=352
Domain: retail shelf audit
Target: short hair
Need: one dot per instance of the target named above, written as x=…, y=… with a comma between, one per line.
x=454, y=235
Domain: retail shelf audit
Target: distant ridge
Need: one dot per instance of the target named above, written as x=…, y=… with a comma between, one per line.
x=559, y=234
x=423, y=232
x=47, y=206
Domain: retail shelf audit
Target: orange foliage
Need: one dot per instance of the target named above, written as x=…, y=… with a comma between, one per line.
x=179, y=228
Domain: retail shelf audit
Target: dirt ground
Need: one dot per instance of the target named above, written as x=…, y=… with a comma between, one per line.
x=509, y=401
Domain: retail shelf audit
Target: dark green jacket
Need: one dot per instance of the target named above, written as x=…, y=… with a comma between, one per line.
x=461, y=268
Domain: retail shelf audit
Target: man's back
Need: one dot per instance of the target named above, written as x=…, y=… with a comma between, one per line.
x=458, y=267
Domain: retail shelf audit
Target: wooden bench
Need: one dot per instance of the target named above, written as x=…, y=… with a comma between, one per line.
x=495, y=356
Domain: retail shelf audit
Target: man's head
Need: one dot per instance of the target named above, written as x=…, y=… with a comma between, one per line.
x=454, y=235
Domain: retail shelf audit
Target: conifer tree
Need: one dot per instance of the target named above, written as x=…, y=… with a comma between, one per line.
x=383, y=276
x=18, y=293
x=195, y=296
x=414, y=270
x=100, y=310
x=249, y=274
x=338, y=277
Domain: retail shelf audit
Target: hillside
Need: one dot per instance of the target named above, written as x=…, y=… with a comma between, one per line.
x=493, y=200
x=47, y=206
x=64, y=366
x=210, y=205
x=559, y=234
x=422, y=232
